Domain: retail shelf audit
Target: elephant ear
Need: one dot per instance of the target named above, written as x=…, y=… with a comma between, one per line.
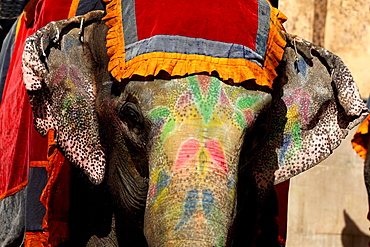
x=61, y=79
x=316, y=103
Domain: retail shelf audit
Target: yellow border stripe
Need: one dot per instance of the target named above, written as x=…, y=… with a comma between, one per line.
x=73, y=8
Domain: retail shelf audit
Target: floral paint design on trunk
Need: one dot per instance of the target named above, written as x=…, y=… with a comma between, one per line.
x=197, y=132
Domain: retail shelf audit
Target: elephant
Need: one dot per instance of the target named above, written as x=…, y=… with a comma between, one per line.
x=184, y=160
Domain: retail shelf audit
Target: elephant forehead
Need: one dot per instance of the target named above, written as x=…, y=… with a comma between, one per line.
x=205, y=92
x=199, y=107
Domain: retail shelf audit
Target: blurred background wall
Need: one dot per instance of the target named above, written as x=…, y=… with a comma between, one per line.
x=328, y=204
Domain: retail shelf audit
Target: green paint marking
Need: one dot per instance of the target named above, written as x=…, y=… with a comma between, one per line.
x=221, y=241
x=162, y=181
x=167, y=128
x=75, y=112
x=211, y=100
x=194, y=86
x=240, y=120
x=206, y=103
x=161, y=112
x=295, y=141
x=247, y=102
x=202, y=161
x=296, y=135
x=221, y=236
x=68, y=102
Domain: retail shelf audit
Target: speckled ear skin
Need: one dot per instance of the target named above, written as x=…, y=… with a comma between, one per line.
x=61, y=79
x=316, y=102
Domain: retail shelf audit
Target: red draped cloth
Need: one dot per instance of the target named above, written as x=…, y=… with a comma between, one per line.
x=21, y=147
x=19, y=142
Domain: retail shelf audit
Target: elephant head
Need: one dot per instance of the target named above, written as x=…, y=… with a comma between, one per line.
x=176, y=152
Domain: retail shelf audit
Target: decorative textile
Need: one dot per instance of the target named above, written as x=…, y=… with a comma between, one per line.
x=11, y=9
x=16, y=137
x=5, y=56
x=15, y=112
x=55, y=199
x=21, y=147
x=35, y=210
x=239, y=41
x=361, y=139
x=15, y=120
x=55, y=195
x=36, y=239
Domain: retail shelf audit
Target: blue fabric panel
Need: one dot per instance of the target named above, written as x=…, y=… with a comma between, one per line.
x=263, y=26
x=85, y=6
x=129, y=21
x=35, y=211
x=5, y=57
x=186, y=45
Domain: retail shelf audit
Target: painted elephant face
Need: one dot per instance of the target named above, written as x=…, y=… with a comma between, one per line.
x=176, y=148
x=196, y=130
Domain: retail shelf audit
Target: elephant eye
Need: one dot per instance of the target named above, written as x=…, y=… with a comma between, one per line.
x=129, y=113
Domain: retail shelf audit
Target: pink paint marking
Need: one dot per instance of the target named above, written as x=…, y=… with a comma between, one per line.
x=187, y=151
x=304, y=105
x=66, y=71
x=288, y=100
x=223, y=98
x=184, y=99
x=217, y=154
x=302, y=100
x=204, y=82
x=248, y=115
x=152, y=191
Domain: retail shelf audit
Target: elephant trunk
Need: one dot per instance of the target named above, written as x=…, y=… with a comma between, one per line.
x=192, y=202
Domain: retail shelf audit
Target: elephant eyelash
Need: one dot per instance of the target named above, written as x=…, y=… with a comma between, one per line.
x=129, y=114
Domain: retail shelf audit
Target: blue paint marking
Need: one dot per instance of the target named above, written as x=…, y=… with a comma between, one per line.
x=190, y=207
x=157, y=126
x=287, y=140
x=69, y=43
x=231, y=184
x=162, y=182
x=207, y=202
x=301, y=67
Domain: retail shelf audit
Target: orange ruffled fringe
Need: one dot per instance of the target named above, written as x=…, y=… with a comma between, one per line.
x=361, y=139
x=177, y=64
